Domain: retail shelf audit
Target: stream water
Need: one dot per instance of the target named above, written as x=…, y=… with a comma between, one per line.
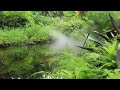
x=23, y=61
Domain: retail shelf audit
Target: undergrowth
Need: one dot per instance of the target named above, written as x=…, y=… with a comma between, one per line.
x=84, y=64
x=95, y=65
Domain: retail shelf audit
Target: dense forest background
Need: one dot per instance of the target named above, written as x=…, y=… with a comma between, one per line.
x=59, y=44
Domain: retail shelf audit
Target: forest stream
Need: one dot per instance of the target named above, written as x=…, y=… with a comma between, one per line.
x=59, y=44
x=22, y=61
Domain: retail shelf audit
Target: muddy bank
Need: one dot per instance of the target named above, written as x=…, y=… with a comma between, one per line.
x=30, y=43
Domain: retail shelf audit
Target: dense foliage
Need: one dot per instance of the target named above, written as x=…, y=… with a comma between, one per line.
x=26, y=36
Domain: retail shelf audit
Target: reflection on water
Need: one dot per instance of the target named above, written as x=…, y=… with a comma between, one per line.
x=22, y=61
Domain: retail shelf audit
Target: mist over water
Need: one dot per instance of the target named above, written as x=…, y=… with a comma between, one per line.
x=62, y=42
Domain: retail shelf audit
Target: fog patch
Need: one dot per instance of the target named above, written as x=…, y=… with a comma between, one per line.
x=62, y=42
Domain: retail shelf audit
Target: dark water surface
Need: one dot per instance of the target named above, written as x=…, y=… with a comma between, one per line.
x=22, y=61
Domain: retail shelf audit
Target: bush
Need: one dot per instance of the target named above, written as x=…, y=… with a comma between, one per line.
x=16, y=18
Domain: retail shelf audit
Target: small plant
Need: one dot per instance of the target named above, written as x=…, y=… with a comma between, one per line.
x=115, y=74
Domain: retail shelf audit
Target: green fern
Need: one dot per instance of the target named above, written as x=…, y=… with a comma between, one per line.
x=113, y=74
